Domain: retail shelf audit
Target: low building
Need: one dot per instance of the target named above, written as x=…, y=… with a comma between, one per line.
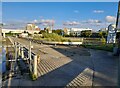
x=23, y=35
x=31, y=26
x=19, y=31
x=12, y=30
x=48, y=29
x=75, y=31
x=104, y=29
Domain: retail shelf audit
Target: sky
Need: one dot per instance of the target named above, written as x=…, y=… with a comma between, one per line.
x=60, y=0
x=95, y=15
x=0, y=12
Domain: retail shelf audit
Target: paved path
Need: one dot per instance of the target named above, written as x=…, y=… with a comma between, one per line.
x=71, y=66
x=106, y=68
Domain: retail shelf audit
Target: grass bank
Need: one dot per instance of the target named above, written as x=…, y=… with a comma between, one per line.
x=55, y=38
x=106, y=47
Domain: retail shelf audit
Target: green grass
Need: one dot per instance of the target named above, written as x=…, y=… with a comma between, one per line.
x=73, y=39
x=33, y=76
x=56, y=38
x=107, y=47
x=49, y=37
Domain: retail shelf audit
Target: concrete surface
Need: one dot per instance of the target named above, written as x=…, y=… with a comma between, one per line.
x=66, y=66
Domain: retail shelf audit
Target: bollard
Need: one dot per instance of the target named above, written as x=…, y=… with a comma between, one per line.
x=19, y=50
x=4, y=35
x=55, y=44
x=38, y=59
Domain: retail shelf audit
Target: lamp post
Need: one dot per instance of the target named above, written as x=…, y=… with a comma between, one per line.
x=118, y=27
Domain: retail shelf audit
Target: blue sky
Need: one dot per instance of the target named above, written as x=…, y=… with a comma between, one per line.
x=60, y=0
x=0, y=12
x=94, y=15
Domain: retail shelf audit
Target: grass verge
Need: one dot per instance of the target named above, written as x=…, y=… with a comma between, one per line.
x=107, y=47
x=33, y=76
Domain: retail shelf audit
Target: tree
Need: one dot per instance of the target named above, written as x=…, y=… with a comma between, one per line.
x=58, y=31
x=42, y=31
x=10, y=32
x=47, y=29
x=71, y=35
x=101, y=34
x=35, y=33
x=105, y=33
x=95, y=35
x=86, y=33
x=53, y=31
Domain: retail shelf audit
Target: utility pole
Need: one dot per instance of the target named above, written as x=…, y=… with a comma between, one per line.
x=118, y=27
x=118, y=23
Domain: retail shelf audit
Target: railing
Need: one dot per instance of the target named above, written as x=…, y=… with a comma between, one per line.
x=53, y=42
x=26, y=54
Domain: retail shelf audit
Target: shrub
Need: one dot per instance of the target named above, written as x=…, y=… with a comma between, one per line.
x=69, y=40
x=52, y=37
x=103, y=41
x=33, y=77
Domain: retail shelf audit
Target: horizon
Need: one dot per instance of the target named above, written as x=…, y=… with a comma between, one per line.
x=94, y=15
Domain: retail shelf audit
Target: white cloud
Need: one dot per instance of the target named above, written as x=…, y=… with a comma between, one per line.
x=35, y=21
x=76, y=11
x=98, y=11
x=47, y=21
x=92, y=21
x=110, y=18
x=71, y=23
x=44, y=22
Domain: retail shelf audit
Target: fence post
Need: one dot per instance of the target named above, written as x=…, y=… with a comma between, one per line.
x=16, y=56
x=30, y=55
x=35, y=65
x=19, y=50
x=22, y=52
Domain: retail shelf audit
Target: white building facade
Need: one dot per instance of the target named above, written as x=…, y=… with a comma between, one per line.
x=76, y=31
x=31, y=26
x=19, y=31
